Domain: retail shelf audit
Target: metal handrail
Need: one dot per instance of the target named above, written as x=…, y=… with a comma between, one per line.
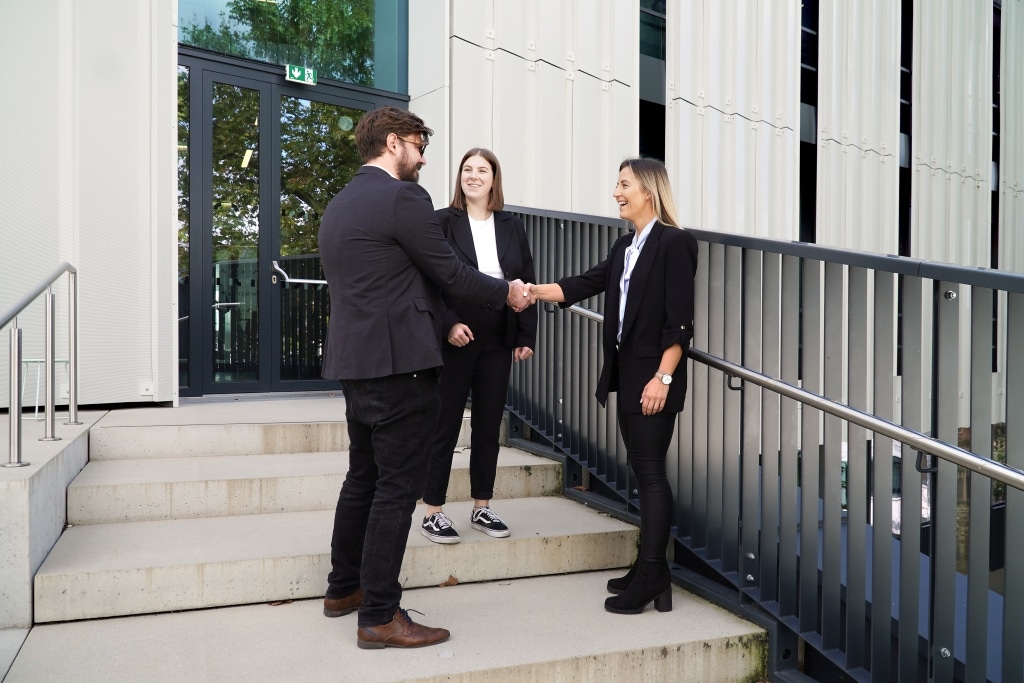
x=45, y=287
x=921, y=442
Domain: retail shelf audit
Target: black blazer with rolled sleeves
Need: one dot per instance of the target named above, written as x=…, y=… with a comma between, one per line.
x=659, y=313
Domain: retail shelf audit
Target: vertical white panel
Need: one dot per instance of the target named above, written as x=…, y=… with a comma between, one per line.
x=552, y=123
x=604, y=43
x=428, y=47
x=472, y=98
x=515, y=26
x=472, y=21
x=1011, y=138
x=540, y=80
x=437, y=176
x=429, y=90
x=684, y=158
x=729, y=179
x=555, y=40
x=858, y=125
x=732, y=74
x=952, y=126
x=597, y=165
x=532, y=124
x=775, y=190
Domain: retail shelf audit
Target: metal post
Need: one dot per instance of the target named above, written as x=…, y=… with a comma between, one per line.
x=49, y=355
x=15, y=405
x=73, y=349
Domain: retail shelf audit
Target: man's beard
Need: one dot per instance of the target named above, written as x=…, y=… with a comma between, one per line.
x=409, y=171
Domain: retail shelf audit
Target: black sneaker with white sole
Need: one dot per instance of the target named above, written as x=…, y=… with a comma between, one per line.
x=438, y=528
x=484, y=519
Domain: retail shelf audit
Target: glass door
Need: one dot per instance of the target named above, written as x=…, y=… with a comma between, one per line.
x=259, y=160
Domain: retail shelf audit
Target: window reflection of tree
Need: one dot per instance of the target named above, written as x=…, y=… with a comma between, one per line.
x=336, y=38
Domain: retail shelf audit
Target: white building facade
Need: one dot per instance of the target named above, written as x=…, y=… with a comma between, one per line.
x=883, y=126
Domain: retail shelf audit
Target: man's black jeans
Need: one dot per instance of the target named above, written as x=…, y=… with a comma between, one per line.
x=390, y=422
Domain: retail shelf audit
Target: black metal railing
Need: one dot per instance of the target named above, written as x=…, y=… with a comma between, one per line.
x=850, y=458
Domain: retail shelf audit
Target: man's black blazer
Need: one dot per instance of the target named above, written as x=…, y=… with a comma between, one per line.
x=516, y=261
x=659, y=313
x=386, y=262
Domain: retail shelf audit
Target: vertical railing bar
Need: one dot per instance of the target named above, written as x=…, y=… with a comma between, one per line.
x=699, y=401
x=831, y=549
x=980, y=510
x=857, y=555
x=14, y=413
x=1013, y=595
x=789, y=517
x=752, y=452
x=811, y=358
x=50, y=358
x=911, y=582
x=731, y=470
x=73, y=349
x=716, y=404
x=944, y=496
x=768, y=553
x=881, y=508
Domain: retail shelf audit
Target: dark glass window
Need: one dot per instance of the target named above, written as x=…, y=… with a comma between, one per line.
x=652, y=28
x=364, y=42
x=808, y=124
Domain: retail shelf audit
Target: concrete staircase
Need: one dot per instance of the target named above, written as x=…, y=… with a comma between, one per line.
x=213, y=513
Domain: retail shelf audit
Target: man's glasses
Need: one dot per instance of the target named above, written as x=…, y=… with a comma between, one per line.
x=418, y=143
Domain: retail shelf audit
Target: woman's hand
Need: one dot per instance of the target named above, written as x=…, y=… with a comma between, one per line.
x=521, y=353
x=460, y=335
x=652, y=400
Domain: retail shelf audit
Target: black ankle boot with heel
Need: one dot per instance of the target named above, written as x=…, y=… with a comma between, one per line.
x=652, y=582
x=616, y=586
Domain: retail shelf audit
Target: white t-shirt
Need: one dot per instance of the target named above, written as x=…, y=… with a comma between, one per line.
x=486, y=247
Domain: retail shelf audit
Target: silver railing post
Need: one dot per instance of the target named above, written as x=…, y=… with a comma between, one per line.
x=50, y=356
x=15, y=405
x=73, y=349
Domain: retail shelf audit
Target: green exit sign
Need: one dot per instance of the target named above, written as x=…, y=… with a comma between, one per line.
x=300, y=74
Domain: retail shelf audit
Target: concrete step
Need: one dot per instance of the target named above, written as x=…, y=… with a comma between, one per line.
x=180, y=488
x=228, y=428
x=553, y=628
x=104, y=570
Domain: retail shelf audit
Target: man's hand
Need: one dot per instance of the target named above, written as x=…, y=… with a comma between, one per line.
x=460, y=335
x=521, y=353
x=517, y=298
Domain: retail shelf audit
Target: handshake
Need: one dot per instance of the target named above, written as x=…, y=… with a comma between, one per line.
x=521, y=296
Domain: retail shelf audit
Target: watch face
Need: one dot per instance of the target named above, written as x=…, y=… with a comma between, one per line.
x=666, y=379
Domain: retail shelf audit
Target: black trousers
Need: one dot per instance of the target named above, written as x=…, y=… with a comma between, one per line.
x=389, y=419
x=647, y=438
x=483, y=365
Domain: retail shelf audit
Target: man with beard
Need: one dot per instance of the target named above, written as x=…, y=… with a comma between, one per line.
x=387, y=261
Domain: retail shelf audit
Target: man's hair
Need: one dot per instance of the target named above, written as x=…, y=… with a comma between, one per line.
x=653, y=177
x=374, y=127
x=496, y=201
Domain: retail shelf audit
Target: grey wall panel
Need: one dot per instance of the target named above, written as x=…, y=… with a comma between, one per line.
x=732, y=76
x=858, y=125
x=952, y=124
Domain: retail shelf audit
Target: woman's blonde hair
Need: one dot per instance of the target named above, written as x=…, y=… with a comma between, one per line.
x=653, y=177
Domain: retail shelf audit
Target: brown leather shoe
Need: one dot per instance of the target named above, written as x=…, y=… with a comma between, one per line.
x=339, y=607
x=401, y=632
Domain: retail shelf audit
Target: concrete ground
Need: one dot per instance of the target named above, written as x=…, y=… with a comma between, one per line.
x=546, y=628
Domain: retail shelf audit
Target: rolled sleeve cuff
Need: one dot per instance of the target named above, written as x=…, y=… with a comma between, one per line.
x=682, y=335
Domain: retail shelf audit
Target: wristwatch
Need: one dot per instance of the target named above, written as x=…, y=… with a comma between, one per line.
x=665, y=378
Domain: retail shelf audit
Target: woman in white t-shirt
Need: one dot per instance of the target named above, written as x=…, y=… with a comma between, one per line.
x=481, y=344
